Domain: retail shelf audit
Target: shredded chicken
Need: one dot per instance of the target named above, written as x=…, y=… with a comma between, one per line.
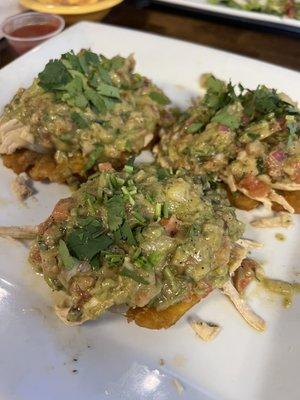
x=14, y=135
x=264, y=200
x=267, y=201
x=19, y=232
x=286, y=186
x=21, y=187
x=281, y=220
x=178, y=386
x=230, y=182
x=205, y=330
x=243, y=308
x=249, y=243
x=238, y=253
x=277, y=198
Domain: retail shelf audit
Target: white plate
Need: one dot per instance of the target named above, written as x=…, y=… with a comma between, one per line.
x=251, y=16
x=7, y=9
x=116, y=360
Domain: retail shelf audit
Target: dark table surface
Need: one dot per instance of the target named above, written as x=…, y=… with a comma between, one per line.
x=263, y=44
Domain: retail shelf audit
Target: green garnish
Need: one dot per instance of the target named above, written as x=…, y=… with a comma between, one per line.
x=133, y=275
x=158, y=209
x=159, y=98
x=165, y=210
x=128, y=168
x=195, y=127
x=82, y=80
x=114, y=259
x=79, y=120
x=233, y=121
x=127, y=234
x=88, y=239
x=163, y=173
x=138, y=216
x=115, y=212
x=95, y=155
x=54, y=76
x=65, y=256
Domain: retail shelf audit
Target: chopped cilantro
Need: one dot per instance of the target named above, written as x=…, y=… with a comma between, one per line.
x=127, y=234
x=158, y=209
x=159, y=98
x=165, y=210
x=79, y=120
x=162, y=173
x=138, y=216
x=128, y=169
x=108, y=90
x=54, y=76
x=114, y=259
x=133, y=275
x=195, y=127
x=117, y=62
x=88, y=239
x=224, y=117
x=95, y=155
x=65, y=256
x=115, y=212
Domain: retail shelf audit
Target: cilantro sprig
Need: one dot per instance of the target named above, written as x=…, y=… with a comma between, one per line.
x=82, y=80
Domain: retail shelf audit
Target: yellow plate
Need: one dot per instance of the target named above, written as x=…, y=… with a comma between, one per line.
x=55, y=8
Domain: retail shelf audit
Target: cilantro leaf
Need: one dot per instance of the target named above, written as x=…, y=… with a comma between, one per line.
x=195, y=127
x=108, y=90
x=71, y=61
x=159, y=98
x=224, y=117
x=79, y=120
x=65, y=256
x=115, y=212
x=96, y=99
x=117, y=62
x=54, y=75
x=88, y=239
x=127, y=233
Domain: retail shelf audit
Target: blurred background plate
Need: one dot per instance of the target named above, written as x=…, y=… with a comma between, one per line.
x=253, y=17
x=88, y=10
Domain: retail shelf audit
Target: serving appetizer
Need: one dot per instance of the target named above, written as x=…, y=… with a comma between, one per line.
x=148, y=238
x=249, y=139
x=284, y=8
x=81, y=110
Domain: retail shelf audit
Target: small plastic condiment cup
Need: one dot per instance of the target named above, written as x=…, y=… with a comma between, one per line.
x=22, y=44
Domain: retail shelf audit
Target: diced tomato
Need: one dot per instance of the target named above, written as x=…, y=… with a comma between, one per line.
x=244, y=275
x=254, y=186
x=105, y=167
x=170, y=225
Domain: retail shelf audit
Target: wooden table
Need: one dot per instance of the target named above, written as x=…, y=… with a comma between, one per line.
x=275, y=47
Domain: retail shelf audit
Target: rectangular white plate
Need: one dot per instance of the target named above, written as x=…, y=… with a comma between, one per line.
x=115, y=359
x=251, y=16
